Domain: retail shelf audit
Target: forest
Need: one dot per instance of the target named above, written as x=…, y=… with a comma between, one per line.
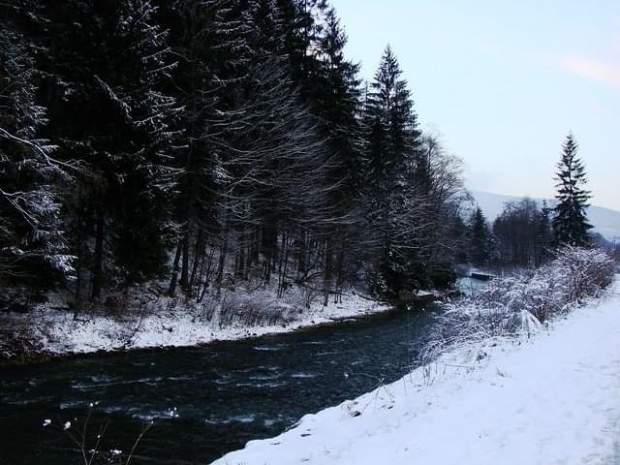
x=203, y=143
x=193, y=145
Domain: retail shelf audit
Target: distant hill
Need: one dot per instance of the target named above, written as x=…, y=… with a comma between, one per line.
x=605, y=221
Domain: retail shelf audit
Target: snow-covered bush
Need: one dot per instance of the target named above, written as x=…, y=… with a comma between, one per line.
x=253, y=309
x=519, y=304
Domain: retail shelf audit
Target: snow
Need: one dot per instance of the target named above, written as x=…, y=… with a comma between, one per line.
x=548, y=399
x=470, y=286
x=173, y=325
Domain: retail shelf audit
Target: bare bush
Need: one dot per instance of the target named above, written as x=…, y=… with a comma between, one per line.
x=309, y=295
x=88, y=439
x=252, y=310
x=519, y=304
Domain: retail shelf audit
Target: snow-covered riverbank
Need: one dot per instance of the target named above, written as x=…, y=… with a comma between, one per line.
x=550, y=399
x=170, y=324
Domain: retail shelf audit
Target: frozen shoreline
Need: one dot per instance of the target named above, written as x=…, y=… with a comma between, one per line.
x=55, y=333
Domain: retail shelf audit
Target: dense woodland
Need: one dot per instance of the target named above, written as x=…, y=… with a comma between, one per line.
x=199, y=142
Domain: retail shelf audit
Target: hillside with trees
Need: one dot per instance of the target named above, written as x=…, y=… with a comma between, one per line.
x=211, y=143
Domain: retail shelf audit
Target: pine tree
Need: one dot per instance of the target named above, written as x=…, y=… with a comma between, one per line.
x=282, y=139
x=226, y=135
x=107, y=62
x=202, y=38
x=570, y=223
x=141, y=212
x=392, y=146
x=480, y=239
x=33, y=247
x=303, y=25
x=337, y=106
x=394, y=138
x=252, y=163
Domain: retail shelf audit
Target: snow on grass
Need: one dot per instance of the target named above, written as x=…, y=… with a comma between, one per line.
x=548, y=399
x=169, y=323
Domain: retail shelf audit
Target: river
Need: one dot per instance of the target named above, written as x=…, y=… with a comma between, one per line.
x=202, y=402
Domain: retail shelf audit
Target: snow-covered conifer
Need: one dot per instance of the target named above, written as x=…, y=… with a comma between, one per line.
x=570, y=222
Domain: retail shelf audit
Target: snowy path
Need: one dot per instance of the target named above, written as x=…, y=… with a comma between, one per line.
x=552, y=400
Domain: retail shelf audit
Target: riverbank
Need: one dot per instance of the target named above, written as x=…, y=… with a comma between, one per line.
x=48, y=333
x=545, y=399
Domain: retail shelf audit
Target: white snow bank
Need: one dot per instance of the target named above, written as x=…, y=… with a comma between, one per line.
x=552, y=399
x=59, y=333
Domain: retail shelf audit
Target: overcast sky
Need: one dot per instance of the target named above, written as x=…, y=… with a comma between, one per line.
x=504, y=81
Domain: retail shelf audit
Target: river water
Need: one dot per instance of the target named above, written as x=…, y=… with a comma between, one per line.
x=202, y=402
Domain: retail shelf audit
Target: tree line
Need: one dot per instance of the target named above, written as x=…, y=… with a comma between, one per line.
x=525, y=234
x=198, y=142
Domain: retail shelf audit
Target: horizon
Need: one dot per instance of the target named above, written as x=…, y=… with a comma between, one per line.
x=527, y=74
x=535, y=198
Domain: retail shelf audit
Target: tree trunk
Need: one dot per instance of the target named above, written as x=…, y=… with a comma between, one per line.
x=283, y=266
x=175, y=271
x=340, y=273
x=97, y=279
x=222, y=261
x=327, y=282
x=198, y=257
x=185, y=261
x=79, y=268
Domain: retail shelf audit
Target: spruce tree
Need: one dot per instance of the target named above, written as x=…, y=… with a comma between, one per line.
x=202, y=37
x=336, y=106
x=570, y=223
x=392, y=146
x=251, y=158
x=107, y=62
x=32, y=243
x=480, y=239
x=393, y=138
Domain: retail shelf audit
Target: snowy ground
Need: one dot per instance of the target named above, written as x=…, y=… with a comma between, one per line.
x=169, y=324
x=552, y=399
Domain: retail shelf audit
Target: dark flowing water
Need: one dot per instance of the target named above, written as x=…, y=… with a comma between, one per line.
x=203, y=401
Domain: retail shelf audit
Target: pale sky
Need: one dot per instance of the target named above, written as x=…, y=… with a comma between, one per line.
x=504, y=82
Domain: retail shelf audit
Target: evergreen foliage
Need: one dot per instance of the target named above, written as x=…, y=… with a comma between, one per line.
x=392, y=142
x=33, y=249
x=205, y=142
x=570, y=222
x=480, y=239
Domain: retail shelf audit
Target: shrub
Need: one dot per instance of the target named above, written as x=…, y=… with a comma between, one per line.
x=520, y=303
